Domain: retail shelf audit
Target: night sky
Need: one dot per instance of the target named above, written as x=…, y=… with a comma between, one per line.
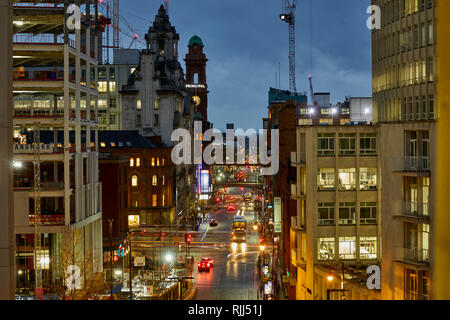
x=245, y=40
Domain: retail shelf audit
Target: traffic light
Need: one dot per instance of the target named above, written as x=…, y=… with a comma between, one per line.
x=188, y=238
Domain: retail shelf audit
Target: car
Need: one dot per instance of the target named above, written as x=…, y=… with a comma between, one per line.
x=208, y=260
x=204, y=266
x=231, y=209
x=213, y=223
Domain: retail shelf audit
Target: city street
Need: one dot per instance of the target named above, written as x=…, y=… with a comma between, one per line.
x=234, y=276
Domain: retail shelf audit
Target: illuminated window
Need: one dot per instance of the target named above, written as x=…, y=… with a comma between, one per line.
x=102, y=86
x=138, y=104
x=154, y=180
x=163, y=199
x=163, y=180
x=154, y=200
x=112, y=86
x=153, y=162
x=132, y=70
x=102, y=103
x=157, y=162
x=157, y=104
x=347, y=247
x=347, y=179
x=163, y=162
x=325, y=248
x=138, y=162
x=133, y=220
x=134, y=181
x=102, y=144
x=113, y=144
x=325, y=179
x=368, y=178
x=131, y=162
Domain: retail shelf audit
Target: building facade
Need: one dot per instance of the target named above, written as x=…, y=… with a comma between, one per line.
x=404, y=89
x=337, y=228
x=55, y=147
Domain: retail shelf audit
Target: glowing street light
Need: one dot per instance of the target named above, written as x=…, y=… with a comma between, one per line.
x=168, y=258
x=262, y=247
x=330, y=278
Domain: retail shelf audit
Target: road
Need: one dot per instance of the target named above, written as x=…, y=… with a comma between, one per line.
x=234, y=275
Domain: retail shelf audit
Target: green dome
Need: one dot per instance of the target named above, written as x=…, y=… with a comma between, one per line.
x=196, y=40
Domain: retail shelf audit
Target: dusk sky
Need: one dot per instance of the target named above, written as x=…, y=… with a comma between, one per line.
x=245, y=40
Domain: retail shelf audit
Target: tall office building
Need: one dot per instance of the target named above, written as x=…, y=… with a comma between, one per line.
x=404, y=90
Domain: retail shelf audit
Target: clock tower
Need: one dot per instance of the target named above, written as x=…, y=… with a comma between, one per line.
x=196, y=76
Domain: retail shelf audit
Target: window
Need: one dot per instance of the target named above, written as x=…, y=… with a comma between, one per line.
x=101, y=73
x=325, y=179
x=430, y=71
x=138, y=162
x=347, y=213
x=112, y=103
x=133, y=220
x=134, y=181
x=431, y=105
x=102, y=144
x=368, y=144
x=325, y=248
x=304, y=111
x=112, y=119
x=368, y=248
x=324, y=110
x=156, y=120
x=102, y=86
x=153, y=162
x=112, y=73
x=112, y=86
x=131, y=162
x=154, y=200
x=347, y=179
x=132, y=70
x=345, y=110
x=430, y=33
x=347, y=144
x=163, y=180
x=179, y=107
x=163, y=199
x=102, y=103
x=368, y=213
x=138, y=104
x=157, y=104
x=325, y=144
x=347, y=247
x=326, y=213
x=163, y=162
x=368, y=178
x=157, y=162
x=154, y=180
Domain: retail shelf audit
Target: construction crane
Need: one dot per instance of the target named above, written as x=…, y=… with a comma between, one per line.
x=313, y=100
x=288, y=16
x=37, y=209
x=134, y=39
x=116, y=29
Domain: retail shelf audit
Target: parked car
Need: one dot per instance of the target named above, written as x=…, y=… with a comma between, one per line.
x=209, y=261
x=213, y=223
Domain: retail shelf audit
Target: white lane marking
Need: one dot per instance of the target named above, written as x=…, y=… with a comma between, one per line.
x=205, y=233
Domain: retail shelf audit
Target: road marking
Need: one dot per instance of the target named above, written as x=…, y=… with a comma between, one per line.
x=205, y=233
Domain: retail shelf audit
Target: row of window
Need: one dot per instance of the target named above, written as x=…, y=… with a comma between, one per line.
x=347, y=179
x=347, y=144
x=103, y=86
x=395, y=9
x=155, y=162
x=347, y=248
x=407, y=74
x=408, y=108
x=409, y=38
x=134, y=180
x=135, y=202
x=347, y=213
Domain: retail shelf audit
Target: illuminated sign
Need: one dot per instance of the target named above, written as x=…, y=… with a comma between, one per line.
x=277, y=214
x=204, y=181
x=195, y=86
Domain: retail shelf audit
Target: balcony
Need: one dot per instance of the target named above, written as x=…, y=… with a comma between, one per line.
x=296, y=258
x=296, y=224
x=298, y=159
x=412, y=211
x=413, y=256
x=411, y=164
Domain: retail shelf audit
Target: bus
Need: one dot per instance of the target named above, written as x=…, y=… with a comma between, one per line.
x=248, y=196
x=239, y=229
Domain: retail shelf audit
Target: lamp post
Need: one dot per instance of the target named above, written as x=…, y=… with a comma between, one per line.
x=330, y=279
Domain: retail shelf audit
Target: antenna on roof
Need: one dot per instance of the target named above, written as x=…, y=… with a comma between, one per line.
x=166, y=6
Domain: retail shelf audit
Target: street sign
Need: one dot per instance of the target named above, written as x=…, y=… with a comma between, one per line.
x=268, y=288
x=139, y=261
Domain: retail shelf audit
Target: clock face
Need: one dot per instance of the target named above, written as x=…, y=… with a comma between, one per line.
x=197, y=100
